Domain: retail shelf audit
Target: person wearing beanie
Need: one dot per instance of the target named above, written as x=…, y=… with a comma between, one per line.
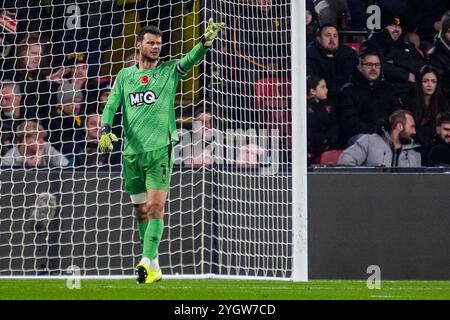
x=80, y=69
x=401, y=61
x=440, y=56
x=69, y=99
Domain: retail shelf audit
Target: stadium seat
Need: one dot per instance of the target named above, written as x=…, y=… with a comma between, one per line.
x=272, y=93
x=354, y=45
x=330, y=157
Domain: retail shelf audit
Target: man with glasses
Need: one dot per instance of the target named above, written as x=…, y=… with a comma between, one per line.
x=366, y=99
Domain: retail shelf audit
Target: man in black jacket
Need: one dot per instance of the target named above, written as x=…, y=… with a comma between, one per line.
x=401, y=61
x=440, y=57
x=440, y=150
x=66, y=126
x=12, y=113
x=328, y=59
x=365, y=99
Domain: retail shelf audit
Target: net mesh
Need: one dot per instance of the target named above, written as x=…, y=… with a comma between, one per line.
x=62, y=203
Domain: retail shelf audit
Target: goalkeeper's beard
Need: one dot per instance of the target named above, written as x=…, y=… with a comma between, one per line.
x=150, y=59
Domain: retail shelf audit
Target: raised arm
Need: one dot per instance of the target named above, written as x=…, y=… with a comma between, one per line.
x=198, y=52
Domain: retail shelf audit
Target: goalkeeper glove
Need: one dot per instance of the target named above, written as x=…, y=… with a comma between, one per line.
x=211, y=32
x=106, y=139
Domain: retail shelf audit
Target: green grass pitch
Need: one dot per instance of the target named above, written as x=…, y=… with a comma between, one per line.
x=206, y=289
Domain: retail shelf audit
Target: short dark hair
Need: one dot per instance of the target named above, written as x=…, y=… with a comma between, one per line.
x=312, y=81
x=323, y=26
x=365, y=53
x=397, y=117
x=443, y=117
x=148, y=29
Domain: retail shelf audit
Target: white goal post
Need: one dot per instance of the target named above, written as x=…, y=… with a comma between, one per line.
x=237, y=207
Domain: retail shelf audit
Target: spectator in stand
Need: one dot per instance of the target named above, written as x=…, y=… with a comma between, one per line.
x=330, y=11
x=440, y=57
x=414, y=39
x=97, y=98
x=401, y=61
x=392, y=146
x=202, y=134
x=327, y=58
x=312, y=21
x=366, y=99
x=75, y=71
x=103, y=87
x=66, y=127
x=98, y=92
x=74, y=75
x=12, y=113
x=31, y=149
x=425, y=101
x=322, y=124
x=30, y=74
x=8, y=35
x=396, y=8
x=90, y=156
x=440, y=149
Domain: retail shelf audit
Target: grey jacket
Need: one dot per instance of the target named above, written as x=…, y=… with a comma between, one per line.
x=51, y=158
x=372, y=150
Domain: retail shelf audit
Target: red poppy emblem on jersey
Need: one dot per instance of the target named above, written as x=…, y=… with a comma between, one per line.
x=328, y=108
x=144, y=79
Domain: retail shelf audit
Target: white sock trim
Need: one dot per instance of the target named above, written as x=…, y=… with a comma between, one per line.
x=151, y=264
x=154, y=264
x=145, y=261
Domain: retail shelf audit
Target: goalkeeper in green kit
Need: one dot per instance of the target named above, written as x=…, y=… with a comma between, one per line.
x=147, y=92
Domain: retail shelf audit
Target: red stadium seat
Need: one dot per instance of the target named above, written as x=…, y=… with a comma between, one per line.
x=330, y=157
x=354, y=45
x=272, y=93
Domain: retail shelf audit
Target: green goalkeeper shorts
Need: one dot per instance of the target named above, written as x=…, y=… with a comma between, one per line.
x=149, y=170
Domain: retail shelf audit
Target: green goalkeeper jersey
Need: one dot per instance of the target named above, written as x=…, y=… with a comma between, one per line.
x=147, y=97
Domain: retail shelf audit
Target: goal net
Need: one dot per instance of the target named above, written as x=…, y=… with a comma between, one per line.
x=62, y=204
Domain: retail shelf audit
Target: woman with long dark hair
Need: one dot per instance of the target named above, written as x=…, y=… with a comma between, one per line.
x=425, y=101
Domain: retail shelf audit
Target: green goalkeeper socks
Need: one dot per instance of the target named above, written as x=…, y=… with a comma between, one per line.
x=152, y=238
x=142, y=227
